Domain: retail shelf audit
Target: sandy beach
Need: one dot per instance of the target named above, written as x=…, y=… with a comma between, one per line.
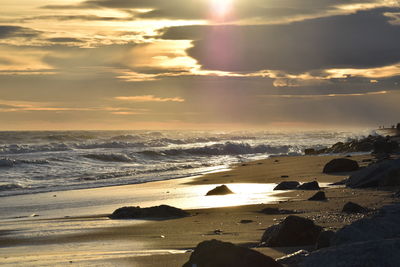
x=72, y=227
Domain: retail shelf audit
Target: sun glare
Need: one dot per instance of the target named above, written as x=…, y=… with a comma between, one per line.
x=221, y=8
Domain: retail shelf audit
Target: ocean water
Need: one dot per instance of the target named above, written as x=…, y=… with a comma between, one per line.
x=32, y=162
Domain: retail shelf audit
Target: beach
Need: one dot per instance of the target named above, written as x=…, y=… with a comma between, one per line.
x=72, y=227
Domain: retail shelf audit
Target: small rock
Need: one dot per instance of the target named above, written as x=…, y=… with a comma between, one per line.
x=351, y=207
x=287, y=185
x=220, y=190
x=218, y=232
x=309, y=186
x=319, y=196
x=246, y=221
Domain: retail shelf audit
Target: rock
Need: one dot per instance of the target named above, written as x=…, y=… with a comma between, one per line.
x=341, y=165
x=364, y=254
x=158, y=212
x=325, y=239
x=274, y=211
x=309, y=186
x=351, y=207
x=220, y=190
x=385, y=173
x=385, y=224
x=293, y=231
x=246, y=221
x=294, y=259
x=216, y=253
x=287, y=185
x=319, y=196
x=385, y=146
x=309, y=151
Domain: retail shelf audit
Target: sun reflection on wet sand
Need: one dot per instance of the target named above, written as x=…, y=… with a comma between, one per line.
x=244, y=194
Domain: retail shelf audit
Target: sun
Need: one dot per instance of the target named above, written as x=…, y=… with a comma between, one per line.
x=221, y=8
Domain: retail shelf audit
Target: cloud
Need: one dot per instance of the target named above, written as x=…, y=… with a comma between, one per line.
x=149, y=98
x=260, y=10
x=64, y=40
x=328, y=95
x=350, y=41
x=7, y=31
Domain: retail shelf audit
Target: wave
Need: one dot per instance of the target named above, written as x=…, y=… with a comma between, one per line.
x=229, y=148
x=110, y=157
x=7, y=162
x=7, y=187
x=18, y=149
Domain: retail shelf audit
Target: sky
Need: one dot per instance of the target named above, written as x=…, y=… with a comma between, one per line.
x=198, y=64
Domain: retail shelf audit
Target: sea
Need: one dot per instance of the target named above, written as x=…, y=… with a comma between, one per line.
x=47, y=161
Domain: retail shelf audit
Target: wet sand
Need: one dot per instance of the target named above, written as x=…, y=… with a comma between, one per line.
x=72, y=227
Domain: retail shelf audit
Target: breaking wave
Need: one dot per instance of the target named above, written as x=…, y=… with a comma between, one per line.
x=110, y=157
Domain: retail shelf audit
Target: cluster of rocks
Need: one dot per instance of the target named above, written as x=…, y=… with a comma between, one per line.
x=292, y=185
x=376, y=144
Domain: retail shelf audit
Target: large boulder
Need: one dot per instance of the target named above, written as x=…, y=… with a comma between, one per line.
x=309, y=186
x=219, y=190
x=216, y=253
x=287, y=185
x=293, y=231
x=341, y=165
x=325, y=239
x=385, y=173
x=158, y=212
x=363, y=254
x=351, y=207
x=384, y=225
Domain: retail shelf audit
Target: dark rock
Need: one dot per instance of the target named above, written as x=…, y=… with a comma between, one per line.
x=363, y=254
x=275, y=211
x=216, y=253
x=351, y=207
x=158, y=212
x=385, y=173
x=309, y=151
x=294, y=259
x=246, y=221
x=220, y=190
x=325, y=239
x=309, y=186
x=293, y=231
x=341, y=165
x=287, y=185
x=319, y=196
x=284, y=176
x=385, y=146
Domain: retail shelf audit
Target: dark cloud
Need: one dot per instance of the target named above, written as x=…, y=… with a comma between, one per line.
x=362, y=40
x=65, y=40
x=7, y=31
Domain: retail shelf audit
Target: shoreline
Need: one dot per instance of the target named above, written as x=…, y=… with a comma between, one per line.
x=115, y=236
